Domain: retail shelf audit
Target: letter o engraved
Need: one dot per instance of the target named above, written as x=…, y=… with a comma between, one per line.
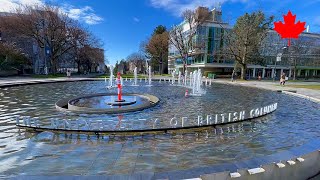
x=251, y=113
x=257, y=112
x=176, y=122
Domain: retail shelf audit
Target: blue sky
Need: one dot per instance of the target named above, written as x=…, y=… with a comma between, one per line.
x=123, y=24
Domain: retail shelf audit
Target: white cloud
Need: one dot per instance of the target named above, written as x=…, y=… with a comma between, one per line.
x=135, y=19
x=11, y=5
x=92, y=19
x=178, y=6
x=85, y=14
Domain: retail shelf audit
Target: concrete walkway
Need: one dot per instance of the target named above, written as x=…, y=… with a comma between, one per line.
x=13, y=81
x=274, y=86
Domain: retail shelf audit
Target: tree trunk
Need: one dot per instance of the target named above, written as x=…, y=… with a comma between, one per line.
x=184, y=66
x=160, y=67
x=295, y=70
x=243, y=71
x=243, y=64
x=53, y=65
x=78, y=64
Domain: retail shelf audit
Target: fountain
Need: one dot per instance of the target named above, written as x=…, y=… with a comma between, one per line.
x=221, y=113
x=110, y=78
x=173, y=80
x=185, y=77
x=179, y=78
x=191, y=79
x=135, y=72
x=104, y=102
x=196, y=82
x=149, y=76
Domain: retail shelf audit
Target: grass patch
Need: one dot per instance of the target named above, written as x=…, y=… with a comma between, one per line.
x=48, y=76
x=158, y=75
x=314, y=87
x=124, y=76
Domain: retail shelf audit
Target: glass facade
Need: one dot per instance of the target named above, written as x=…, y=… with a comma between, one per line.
x=208, y=44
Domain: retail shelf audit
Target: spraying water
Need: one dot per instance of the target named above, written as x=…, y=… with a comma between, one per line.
x=135, y=83
x=185, y=77
x=196, y=82
x=179, y=78
x=111, y=77
x=191, y=79
x=173, y=72
x=149, y=75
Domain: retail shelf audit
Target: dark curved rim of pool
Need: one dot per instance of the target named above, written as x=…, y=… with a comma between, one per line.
x=67, y=105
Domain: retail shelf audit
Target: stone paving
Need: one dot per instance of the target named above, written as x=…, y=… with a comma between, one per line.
x=4, y=82
x=274, y=86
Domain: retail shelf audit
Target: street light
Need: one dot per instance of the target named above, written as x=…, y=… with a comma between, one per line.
x=278, y=59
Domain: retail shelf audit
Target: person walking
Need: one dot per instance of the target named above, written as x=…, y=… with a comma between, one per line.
x=282, y=79
x=233, y=75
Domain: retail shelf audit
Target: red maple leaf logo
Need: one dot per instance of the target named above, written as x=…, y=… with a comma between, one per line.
x=289, y=29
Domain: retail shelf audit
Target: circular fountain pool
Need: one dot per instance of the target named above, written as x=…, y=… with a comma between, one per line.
x=293, y=124
x=107, y=103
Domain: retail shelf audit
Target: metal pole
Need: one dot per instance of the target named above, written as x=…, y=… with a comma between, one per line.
x=275, y=70
x=295, y=65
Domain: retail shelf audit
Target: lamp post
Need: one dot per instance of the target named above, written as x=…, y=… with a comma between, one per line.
x=275, y=65
x=278, y=59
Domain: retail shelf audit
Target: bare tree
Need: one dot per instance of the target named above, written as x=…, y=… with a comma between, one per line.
x=83, y=44
x=138, y=60
x=183, y=39
x=49, y=27
x=91, y=57
x=60, y=37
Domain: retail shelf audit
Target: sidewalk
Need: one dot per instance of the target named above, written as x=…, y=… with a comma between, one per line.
x=22, y=80
x=274, y=86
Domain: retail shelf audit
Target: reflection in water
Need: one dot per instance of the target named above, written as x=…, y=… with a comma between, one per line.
x=294, y=123
x=144, y=124
x=103, y=102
